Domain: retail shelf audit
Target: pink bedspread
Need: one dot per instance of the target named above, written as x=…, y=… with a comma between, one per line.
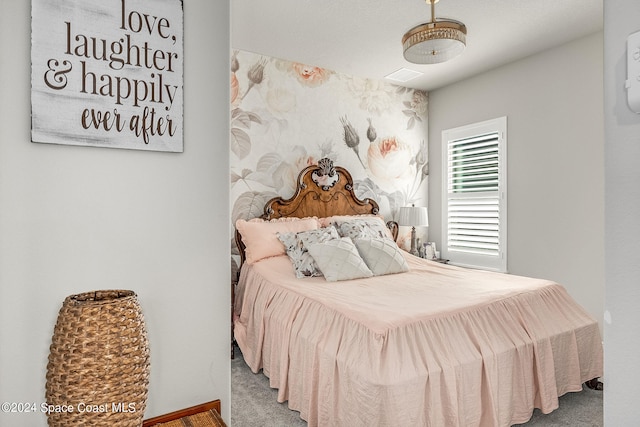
x=437, y=346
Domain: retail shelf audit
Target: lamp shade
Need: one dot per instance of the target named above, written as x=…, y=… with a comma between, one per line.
x=414, y=216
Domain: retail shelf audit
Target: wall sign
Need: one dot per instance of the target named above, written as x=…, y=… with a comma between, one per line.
x=107, y=73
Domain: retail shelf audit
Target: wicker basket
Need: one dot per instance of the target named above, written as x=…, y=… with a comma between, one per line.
x=98, y=370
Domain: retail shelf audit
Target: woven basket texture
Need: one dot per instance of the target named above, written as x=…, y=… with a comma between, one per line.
x=98, y=361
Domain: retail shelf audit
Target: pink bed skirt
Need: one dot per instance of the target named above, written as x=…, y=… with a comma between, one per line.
x=438, y=346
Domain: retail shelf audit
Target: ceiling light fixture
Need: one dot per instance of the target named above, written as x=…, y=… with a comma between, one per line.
x=437, y=41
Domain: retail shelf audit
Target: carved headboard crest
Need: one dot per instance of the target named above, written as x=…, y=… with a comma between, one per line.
x=325, y=176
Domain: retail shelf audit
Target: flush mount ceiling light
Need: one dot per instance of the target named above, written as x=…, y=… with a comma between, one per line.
x=437, y=41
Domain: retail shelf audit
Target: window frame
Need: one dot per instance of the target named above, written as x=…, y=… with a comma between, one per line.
x=462, y=258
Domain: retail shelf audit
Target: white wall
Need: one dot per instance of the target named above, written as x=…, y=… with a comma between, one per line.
x=622, y=229
x=74, y=219
x=553, y=104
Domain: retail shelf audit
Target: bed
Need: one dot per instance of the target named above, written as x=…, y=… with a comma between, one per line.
x=417, y=343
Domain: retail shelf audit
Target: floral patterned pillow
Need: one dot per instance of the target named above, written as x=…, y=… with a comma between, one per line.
x=296, y=245
x=373, y=227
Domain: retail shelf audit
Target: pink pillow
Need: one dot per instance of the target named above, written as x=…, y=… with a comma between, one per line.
x=260, y=238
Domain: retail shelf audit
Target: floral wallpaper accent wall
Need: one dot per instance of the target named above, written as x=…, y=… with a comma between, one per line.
x=286, y=116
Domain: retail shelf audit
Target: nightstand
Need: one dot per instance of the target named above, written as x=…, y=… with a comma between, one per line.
x=440, y=260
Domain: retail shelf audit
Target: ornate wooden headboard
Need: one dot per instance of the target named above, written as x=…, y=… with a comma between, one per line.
x=323, y=190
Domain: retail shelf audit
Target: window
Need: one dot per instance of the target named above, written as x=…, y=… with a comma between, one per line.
x=475, y=195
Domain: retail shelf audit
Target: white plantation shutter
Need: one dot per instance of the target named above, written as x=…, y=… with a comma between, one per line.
x=475, y=195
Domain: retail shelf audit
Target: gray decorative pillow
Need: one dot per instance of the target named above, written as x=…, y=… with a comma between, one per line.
x=339, y=260
x=296, y=245
x=363, y=227
x=382, y=256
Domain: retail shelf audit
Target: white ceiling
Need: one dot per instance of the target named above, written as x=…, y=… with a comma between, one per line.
x=363, y=37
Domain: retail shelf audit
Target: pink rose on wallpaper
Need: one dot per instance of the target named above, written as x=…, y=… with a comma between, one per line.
x=388, y=145
x=309, y=75
x=388, y=161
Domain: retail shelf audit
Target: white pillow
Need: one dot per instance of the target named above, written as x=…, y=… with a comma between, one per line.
x=339, y=260
x=382, y=256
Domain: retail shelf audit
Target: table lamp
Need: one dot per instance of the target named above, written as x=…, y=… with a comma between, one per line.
x=413, y=216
